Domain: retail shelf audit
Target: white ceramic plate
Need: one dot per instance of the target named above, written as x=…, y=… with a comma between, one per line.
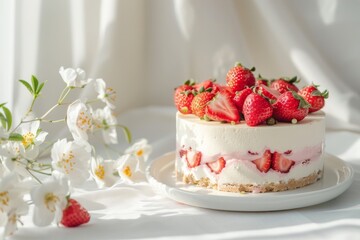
x=337, y=177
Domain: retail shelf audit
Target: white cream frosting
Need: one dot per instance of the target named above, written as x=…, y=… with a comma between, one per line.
x=240, y=144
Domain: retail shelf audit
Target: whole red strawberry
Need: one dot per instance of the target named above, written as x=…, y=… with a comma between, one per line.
x=204, y=85
x=285, y=84
x=222, y=109
x=290, y=107
x=183, y=97
x=240, y=97
x=74, y=214
x=199, y=103
x=240, y=77
x=314, y=97
x=256, y=109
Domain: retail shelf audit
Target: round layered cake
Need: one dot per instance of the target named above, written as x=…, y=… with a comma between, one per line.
x=239, y=158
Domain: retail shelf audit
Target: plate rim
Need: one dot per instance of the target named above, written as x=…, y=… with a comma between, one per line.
x=182, y=195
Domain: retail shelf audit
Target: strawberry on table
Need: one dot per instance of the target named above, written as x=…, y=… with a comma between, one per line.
x=263, y=163
x=256, y=109
x=223, y=109
x=285, y=84
x=240, y=97
x=314, y=97
x=217, y=166
x=74, y=214
x=193, y=159
x=290, y=107
x=240, y=77
x=281, y=163
x=183, y=97
x=199, y=103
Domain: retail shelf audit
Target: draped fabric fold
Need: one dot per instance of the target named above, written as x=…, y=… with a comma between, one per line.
x=143, y=49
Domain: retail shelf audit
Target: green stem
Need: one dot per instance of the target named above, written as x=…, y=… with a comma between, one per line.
x=37, y=179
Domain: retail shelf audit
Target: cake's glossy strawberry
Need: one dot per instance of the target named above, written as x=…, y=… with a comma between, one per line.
x=74, y=214
x=281, y=163
x=204, y=85
x=261, y=80
x=193, y=158
x=183, y=97
x=240, y=77
x=240, y=97
x=217, y=166
x=199, y=103
x=270, y=93
x=290, y=107
x=263, y=163
x=285, y=84
x=314, y=97
x=256, y=109
x=223, y=109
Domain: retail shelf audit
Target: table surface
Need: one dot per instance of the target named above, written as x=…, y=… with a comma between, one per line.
x=137, y=212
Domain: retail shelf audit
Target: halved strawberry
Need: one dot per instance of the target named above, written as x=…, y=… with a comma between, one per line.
x=217, y=166
x=263, y=163
x=222, y=109
x=240, y=97
x=281, y=163
x=270, y=93
x=193, y=158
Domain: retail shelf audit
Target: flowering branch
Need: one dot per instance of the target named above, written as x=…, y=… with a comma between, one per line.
x=71, y=162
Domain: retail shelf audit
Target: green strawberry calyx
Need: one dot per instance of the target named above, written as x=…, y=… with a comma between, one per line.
x=302, y=102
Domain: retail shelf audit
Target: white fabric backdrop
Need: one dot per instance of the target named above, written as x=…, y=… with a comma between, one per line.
x=145, y=48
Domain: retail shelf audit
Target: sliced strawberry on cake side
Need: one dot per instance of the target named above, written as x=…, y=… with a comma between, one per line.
x=222, y=109
x=281, y=163
x=263, y=163
x=217, y=166
x=193, y=158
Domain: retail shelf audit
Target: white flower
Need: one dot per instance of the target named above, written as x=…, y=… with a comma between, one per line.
x=128, y=169
x=32, y=137
x=74, y=77
x=105, y=120
x=12, y=204
x=72, y=159
x=105, y=94
x=103, y=172
x=79, y=120
x=50, y=200
x=141, y=149
x=13, y=160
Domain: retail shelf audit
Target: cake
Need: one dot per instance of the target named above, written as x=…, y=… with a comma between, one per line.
x=249, y=135
x=240, y=146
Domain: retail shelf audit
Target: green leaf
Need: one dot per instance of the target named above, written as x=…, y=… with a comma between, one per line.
x=27, y=85
x=16, y=137
x=40, y=87
x=2, y=104
x=126, y=132
x=3, y=120
x=8, y=117
x=34, y=82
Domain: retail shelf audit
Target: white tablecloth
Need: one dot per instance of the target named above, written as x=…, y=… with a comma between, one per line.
x=137, y=212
